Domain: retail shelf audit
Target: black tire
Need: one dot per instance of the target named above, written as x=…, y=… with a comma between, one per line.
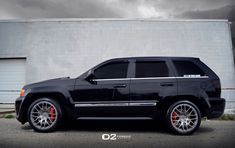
x=34, y=117
x=183, y=123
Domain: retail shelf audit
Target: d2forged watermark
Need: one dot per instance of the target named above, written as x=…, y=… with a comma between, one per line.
x=107, y=137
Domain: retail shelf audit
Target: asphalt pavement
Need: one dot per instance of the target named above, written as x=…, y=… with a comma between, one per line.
x=113, y=134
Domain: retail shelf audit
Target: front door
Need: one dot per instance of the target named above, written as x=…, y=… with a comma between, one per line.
x=108, y=95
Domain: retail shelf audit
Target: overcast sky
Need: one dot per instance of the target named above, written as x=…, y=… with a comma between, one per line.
x=161, y=9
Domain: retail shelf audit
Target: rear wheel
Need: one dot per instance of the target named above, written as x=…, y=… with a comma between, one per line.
x=44, y=115
x=183, y=117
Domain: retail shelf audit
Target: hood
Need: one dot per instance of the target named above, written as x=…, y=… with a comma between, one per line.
x=50, y=82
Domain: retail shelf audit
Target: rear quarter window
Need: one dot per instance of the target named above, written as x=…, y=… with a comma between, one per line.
x=187, y=69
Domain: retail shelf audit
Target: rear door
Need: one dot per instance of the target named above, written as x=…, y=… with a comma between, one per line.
x=152, y=81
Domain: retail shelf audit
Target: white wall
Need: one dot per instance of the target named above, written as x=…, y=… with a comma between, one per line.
x=69, y=47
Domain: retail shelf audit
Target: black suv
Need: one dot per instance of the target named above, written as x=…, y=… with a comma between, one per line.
x=178, y=91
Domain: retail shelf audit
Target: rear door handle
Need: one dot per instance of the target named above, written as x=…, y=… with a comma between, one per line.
x=120, y=86
x=166, y=84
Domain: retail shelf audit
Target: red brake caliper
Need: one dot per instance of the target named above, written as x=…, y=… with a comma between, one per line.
x=52, y=113
x=174, y=115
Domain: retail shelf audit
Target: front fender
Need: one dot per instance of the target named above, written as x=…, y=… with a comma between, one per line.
x=50, y=90
x=32, y=94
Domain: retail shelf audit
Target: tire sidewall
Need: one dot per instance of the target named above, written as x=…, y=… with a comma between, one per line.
x=168, y=118
x=59, y=116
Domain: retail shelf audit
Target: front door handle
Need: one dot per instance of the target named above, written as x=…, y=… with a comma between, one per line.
x=120, y=86
x=166, y=84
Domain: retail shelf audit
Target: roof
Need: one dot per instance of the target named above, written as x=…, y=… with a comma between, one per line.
x=153, y=57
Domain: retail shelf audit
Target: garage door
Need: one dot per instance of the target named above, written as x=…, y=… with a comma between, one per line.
x=12, y=79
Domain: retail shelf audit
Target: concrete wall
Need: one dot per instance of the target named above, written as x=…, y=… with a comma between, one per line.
x=60, y=48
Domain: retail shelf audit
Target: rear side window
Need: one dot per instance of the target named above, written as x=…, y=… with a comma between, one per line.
x=151, y=69
x=112, y=71
x=188, y=68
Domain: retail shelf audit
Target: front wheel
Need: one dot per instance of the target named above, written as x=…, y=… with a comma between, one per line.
x=44, y=115
x=183, y=117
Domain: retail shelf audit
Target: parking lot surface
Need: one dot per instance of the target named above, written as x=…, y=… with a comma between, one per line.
x=116, y=134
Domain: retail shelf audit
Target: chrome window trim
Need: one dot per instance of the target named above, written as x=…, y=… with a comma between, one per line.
x=150, y=78
x=116, y=79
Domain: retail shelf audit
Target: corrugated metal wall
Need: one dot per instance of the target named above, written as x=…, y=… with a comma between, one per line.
x=12, y=77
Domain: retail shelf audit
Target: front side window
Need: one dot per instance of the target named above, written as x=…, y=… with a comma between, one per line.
x=187, y=68
x=112, y=71
x=151, y=69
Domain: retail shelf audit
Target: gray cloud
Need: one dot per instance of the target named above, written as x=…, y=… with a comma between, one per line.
x=115, y=8
x=56, y=9
x=225, y=12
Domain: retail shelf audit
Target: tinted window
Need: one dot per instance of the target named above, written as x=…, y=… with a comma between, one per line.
x=185, y=68
x=112, y=70
x=151, y=69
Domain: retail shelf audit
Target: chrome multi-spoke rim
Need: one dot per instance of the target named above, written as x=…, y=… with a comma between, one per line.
x=43, y=115
x=184, y=118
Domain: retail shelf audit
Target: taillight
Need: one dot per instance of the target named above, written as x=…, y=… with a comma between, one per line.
x=22, y=92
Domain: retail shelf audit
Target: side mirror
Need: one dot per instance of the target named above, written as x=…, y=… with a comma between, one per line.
x=90, y=76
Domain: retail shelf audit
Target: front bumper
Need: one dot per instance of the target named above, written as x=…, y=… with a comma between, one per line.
x=217, y=108
x=19, y=110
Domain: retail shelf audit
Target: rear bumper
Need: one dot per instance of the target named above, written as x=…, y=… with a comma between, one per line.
x=217, y=108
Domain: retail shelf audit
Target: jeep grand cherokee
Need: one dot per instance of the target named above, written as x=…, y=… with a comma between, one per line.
x=178, y=91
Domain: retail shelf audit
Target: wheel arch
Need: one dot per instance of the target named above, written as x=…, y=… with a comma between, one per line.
x=200, y=102
x=64, y=103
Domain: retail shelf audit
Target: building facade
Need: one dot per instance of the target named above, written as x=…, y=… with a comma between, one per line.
x=36, y=50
